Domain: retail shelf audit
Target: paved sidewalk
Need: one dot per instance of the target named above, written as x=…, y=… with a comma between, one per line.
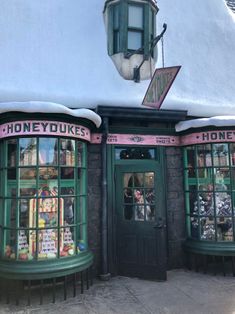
x=184, y=292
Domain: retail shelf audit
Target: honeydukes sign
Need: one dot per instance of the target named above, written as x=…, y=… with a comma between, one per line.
x=40, y=127
x=159, y=86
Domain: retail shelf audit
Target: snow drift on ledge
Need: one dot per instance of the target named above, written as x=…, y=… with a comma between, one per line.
x=49, y=107
x=203, y=122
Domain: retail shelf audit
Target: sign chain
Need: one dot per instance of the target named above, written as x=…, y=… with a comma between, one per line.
x=163, y=61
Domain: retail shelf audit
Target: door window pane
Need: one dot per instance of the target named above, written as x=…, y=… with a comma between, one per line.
x=138, y=199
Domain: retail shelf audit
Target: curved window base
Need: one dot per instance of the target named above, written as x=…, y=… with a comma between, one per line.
x=27, y=292
x=210, y=258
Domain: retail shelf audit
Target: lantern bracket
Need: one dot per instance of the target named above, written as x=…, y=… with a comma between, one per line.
x=153, y=42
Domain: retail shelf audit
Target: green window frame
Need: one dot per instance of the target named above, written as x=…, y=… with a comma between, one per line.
x=43, y=198
x=209, y=176
x=120, y=29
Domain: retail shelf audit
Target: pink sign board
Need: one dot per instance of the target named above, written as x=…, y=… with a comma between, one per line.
x=135, y=139
x=167, y=140
x=208, y=137
x=159, y=86
x=52, y=128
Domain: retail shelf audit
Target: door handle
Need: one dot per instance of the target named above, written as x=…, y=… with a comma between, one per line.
x=160, y=224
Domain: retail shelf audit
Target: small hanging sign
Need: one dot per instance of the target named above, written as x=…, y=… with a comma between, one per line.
x=159, y=86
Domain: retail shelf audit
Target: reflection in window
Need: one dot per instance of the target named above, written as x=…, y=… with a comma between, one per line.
x=138, y=197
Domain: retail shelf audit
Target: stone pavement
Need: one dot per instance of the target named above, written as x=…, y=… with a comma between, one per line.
x=185, y=292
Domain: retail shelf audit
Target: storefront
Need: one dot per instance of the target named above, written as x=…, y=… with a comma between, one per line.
x=43, y=199
x=135, y=196
x=208, y=148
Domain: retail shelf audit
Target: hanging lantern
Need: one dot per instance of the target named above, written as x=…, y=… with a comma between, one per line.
x=131, y=30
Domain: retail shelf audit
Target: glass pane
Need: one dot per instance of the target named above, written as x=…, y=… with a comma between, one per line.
x=135, y=16
x=204, y=155
x=28, y=192
x=134, y=40
x=190, y=157
x=47, y=243
x=222, y=179
x=10, y=213
x=116, y=17
x=48, y=173
x=67, y=173
x=138, y=179
x=134, y=153
x=67, y=152
x=149, y=179
x=11, y=153
x=82, y=212
x=11, y=174
x=47, y=212
x=80, y=154
x=68, y=242
x=224, y=229
x=128, y=203
x=191, y=203
x=82, y=243
x=220, y=155
x=11, y=190
x=10, y=244
x=223, y=204
x=24, y=252
x=48, y=151
x=150, y=204
x=68, y=210
x=24, y=212
x=67, y=190
x=28, y=149
x=205, y=176
x=205, y=203
x=207, y=229
x=232, y=154
x=194, y=227
x=116, y=41
x=142, y=209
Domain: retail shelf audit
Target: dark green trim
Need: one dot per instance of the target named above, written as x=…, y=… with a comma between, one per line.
x=45, y=269
x=133, y=113
x=150, y=2
x=209, y=247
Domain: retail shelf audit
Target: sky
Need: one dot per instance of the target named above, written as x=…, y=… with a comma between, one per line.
x=54, y=52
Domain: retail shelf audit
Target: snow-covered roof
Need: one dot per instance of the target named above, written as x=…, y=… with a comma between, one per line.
x=47, y=107
x=55, y=51
x=204, y=122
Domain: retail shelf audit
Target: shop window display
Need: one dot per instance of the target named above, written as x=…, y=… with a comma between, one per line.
x=43, y=199
x=209, y=191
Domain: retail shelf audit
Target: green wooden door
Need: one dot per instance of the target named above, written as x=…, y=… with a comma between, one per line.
x=141, y=221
